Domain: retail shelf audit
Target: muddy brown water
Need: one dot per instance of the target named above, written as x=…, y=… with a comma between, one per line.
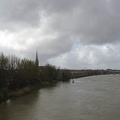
x=88, y=98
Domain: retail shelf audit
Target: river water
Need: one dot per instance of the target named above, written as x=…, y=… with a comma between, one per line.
x=88, y=98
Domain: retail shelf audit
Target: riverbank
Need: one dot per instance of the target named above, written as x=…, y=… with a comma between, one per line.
x=5, y=94
x=19, y=92
x=88, y=98
x=25, y=90
x=29, y=89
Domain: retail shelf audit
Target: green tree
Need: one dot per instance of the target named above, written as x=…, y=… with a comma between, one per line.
x=49, y=73
x=3, y=70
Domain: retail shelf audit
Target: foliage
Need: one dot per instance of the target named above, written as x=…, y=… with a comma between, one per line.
x=49, y=73
x=66, y=75
x=16, y=73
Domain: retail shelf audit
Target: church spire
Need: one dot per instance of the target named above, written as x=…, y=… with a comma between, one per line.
x=37, y=61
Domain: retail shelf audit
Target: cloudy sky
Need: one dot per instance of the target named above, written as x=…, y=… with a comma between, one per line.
x=74, y=34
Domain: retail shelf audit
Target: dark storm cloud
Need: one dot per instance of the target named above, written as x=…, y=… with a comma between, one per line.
x=90, y=22
x=93, y=21
x=19, y=12
x=27, y=12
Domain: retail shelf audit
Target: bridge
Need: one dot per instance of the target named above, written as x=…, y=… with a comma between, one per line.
x=87, y=72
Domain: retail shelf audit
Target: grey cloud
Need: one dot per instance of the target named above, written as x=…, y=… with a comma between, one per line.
x=27, y=12
x=61, y=6
x=53, y=26
x=53, y=47
x=90, y=57
x=14, y=13
x=90, y=22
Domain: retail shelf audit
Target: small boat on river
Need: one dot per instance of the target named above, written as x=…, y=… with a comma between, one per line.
x=72, y=81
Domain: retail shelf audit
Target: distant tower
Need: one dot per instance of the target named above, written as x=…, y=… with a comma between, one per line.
x=36, y=60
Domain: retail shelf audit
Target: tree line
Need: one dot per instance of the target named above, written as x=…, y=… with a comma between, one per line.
x=16, y=73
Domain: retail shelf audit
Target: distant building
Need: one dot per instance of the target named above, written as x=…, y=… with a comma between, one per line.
x=37, y=60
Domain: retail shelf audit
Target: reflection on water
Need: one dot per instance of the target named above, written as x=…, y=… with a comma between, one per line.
x=88, y=98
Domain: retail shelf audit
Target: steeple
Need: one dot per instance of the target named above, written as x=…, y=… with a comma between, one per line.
x=36, y=60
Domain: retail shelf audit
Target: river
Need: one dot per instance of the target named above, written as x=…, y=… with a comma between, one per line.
x=88, y=98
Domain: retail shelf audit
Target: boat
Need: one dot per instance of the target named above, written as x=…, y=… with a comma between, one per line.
x=72, y=81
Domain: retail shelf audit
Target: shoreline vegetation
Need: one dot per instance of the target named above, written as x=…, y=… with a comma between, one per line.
x=21, y=76
x=27, y=90
x=19, y=92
